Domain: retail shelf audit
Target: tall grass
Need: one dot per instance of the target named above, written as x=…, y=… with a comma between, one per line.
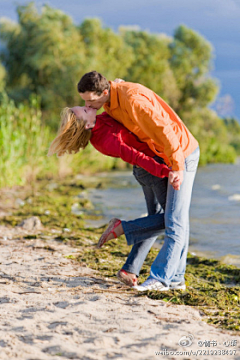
x=23, y=141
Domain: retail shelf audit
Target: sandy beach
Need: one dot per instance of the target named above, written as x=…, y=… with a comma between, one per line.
x=53, y=308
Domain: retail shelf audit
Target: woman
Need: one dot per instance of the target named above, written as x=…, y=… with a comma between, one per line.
x=113, y=139
x=107, y=135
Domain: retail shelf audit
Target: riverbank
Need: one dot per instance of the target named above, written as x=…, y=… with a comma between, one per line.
x=61, y=296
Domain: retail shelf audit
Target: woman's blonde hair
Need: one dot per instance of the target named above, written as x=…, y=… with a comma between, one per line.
x=72, y=135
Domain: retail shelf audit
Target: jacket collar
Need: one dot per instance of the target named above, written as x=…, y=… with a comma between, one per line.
x=113, y=97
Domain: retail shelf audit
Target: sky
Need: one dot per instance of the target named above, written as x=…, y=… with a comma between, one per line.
x=217, y=20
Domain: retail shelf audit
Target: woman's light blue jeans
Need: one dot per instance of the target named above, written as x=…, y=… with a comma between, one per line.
x=167, y=209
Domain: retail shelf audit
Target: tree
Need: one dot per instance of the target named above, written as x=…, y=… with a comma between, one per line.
x=2, y=77
x=106, y=51
x=190, y=61
x=43, y=54
x=212, y=135
x=150, y=66
x=233, y=133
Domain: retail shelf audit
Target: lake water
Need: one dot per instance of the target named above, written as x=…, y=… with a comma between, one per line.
x=214, y=214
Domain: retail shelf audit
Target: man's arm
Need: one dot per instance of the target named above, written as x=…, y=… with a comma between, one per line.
x=118, y=80
x=155, y=124
x=135, y=157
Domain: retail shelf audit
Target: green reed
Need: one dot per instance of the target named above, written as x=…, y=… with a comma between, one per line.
x=23, y=141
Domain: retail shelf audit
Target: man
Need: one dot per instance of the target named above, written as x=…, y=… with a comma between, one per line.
x=153, y=121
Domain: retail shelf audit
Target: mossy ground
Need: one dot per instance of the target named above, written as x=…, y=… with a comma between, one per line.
x=212, y=287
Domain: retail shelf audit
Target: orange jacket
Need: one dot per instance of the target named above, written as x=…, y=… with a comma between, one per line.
x=149, y=117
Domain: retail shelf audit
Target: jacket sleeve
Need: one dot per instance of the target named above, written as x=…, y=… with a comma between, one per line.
x=135, y=157
x=117, y=141
x=156, y=125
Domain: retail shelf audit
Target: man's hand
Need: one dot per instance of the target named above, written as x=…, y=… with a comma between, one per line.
x=175, y=178
x=117, y=80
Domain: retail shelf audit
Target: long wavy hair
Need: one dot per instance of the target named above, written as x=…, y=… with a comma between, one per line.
x=72, y=135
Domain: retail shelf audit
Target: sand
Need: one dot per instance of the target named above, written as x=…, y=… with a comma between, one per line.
x=52, y=308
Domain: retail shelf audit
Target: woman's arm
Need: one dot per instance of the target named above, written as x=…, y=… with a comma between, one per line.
x=113, y=139
x=135, y=157
x=112, y=145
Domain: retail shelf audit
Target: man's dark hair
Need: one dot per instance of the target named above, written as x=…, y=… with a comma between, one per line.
x=94, y=82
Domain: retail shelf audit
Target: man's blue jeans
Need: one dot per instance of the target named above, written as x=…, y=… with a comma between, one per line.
x=167, y=209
